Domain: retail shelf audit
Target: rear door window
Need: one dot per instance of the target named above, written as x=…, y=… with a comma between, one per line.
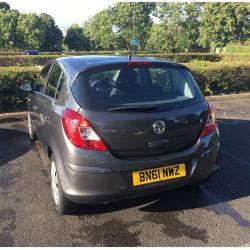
x=164, y=87
x=62, y=81
x=53, y=81
x=172, y=83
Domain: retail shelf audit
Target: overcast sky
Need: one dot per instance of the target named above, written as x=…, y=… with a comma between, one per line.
x=65, y=12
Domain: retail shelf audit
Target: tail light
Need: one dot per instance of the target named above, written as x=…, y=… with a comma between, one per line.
x=80, y=132
x=211, y=123
x=138, y=63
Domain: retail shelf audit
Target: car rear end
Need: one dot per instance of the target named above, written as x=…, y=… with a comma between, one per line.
x=141, y=127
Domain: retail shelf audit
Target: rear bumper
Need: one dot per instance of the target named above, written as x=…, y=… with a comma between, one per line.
x=98, y=184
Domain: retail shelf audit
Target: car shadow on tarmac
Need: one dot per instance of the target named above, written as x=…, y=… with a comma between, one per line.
x=14, y=143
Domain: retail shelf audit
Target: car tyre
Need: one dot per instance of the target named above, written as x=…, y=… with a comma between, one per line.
x=32, y=135
x=61, y=203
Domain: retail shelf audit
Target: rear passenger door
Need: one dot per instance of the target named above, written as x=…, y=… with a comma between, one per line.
x=36, y=99
x=50, y=102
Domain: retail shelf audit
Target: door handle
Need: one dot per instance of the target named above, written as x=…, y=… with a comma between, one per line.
x=34, y=107
x=44, y=117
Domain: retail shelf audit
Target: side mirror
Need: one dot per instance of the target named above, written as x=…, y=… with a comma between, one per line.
x=196, y=78
x=26, y=87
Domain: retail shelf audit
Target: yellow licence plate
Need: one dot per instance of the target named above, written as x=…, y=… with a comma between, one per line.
x=158, y=174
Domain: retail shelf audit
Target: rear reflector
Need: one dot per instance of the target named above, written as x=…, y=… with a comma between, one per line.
x=211, y=123
x=139, y=63
x=80, y=132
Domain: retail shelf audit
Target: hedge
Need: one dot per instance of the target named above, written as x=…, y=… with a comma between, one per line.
x=103, y=52
x=211, y=57
x=235, y=57
x=11, y=78
x=212, y=77
x=23, y=60
x=221, y=77
x=186, y=57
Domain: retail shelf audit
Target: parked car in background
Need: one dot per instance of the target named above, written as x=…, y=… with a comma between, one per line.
x=31, y=52
x=116, y=129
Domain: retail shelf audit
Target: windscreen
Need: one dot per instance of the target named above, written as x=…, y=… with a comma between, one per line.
x=164, y=88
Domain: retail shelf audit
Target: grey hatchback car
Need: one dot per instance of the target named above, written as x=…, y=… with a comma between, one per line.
x=117, y=129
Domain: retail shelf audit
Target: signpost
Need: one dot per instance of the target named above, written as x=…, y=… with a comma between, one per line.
x=135, y=43
x=11, y=44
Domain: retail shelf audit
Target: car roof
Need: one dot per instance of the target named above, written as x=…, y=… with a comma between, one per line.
x=75, y=65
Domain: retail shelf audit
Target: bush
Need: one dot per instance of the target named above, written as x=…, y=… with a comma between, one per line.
x=186, y=57
x=234, y=57
x=11, y=78
x=221, y=77
x=189, y=57
x=23, y=60
x=10, y=53
x=105, y=52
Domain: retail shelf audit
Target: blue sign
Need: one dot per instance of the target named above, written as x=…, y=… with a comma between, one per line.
x=135, y=42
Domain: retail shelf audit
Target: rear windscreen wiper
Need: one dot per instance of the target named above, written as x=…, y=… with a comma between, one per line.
x=135, y=108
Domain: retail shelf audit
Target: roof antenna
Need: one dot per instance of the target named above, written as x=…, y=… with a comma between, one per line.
x=129, y=54
x=131, y=43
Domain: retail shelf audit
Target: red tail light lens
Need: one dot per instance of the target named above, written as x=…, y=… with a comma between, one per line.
x=80, y=132
x=211, y=123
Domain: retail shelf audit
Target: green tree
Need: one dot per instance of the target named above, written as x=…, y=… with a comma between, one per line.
x=166, y=38
x=31, y=30
x=8, y=25
x=242, y=12
x=75, y=38
x=171, y=13
x=169, y=34
x=178, y=27
x=24, y=31
x=101, y=30
x=114, y=27
x=191, y=24
x=133, y=21
x=223, y=23
x=53, y=35
x=158, y=41
x=4, y=5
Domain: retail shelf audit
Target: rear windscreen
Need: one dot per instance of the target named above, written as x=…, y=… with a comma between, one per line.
x=164, y=87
